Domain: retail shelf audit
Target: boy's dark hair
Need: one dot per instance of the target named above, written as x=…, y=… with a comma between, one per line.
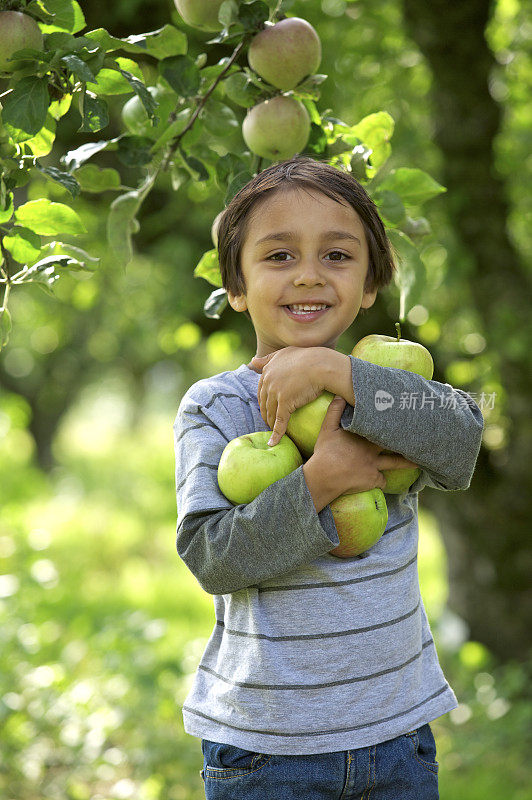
x=301, y=172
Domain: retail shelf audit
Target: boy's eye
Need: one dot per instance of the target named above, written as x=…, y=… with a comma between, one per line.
x=336, y=253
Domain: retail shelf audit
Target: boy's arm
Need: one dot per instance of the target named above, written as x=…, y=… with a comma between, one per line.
x=430, y=423
x=229, y=547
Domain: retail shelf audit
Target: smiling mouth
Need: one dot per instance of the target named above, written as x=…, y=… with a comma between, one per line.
x=306, y=314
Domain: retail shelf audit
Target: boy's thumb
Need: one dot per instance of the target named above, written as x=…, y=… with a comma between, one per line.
x=334, y=412
x=258, y=362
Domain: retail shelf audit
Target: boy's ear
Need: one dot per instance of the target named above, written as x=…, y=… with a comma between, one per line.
x=368, y=298
x=237, y=301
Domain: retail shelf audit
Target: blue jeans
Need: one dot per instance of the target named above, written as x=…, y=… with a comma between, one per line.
x=404, y=768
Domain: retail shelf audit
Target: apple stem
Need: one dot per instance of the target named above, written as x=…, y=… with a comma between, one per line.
x=398, y=329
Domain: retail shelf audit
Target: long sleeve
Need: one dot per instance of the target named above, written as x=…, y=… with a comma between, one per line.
x=230, y=547
x=430, y=423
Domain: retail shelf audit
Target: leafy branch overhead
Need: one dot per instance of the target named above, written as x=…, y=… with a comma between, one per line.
x=215, y=124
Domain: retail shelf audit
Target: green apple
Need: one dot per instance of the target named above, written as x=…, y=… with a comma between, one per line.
x=135, y=117
x=399, y=481
x=387, y=351
x=17, y=32
x=202, y=14
x=305, y=423
x=285, y=53
x=277, y=128
x=248, y=465
x=390, y=351
x=360, y=519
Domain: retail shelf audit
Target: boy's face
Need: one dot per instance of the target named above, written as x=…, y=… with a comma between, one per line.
x=319, y=256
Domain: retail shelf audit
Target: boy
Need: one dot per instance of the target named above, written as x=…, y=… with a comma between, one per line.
x=320, y=677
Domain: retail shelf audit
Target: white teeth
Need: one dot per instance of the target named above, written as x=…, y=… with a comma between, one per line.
x=299, y=308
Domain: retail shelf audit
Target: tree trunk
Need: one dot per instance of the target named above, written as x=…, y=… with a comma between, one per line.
x=486, y=530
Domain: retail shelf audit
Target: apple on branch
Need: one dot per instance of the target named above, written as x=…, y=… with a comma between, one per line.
x=17, y=32
x=285, y=53
x=248, y=465
x=202, y=14
x=277, y=128
x=389, y=351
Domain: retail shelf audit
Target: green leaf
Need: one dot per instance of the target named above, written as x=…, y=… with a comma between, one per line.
x=167, y=41
x=317, y=142
x=215, y=304
x=241, y=90
x=410, y=275
x=42, y=143
x=196, y=166
x=83, y=260
x=122, y=224
x=65, y=179
x=110, y=43
x=93, y=179
x=252, y=14
x=390, y=206
x=135, y=151
x=359, y=162
x=313, y=112
x=236, y=183
x=413, y=186
x=228, y=13
x=212, y=71
x=218, y=118
x=5, y=326
x=375, y=131
x=75, y=158
x=416, y=227
x=67, y=15
x=23, y=244
x=95, y=114
x=209, y=268
x=77, y=66
x=7, y=212
x=146, y=98
x=112, y=81
x=182, y=74
x=58, y=108
x=25, y=108
x=44, y=271
x=49, y=219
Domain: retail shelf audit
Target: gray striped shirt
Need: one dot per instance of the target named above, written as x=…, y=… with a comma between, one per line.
x=311, y=653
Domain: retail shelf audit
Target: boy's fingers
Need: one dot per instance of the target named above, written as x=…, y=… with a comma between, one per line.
x=258, y=362
x=279, y=428
x=395, y=461
x=334, y=413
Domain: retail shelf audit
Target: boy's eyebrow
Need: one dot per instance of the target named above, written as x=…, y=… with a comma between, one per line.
x=284, y=236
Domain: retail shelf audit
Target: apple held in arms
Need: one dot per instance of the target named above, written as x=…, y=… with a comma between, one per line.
x=248, y=465
x=360, y=519
x=387, y=351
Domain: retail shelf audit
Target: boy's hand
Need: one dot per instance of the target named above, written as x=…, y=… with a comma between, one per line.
x=346, y=462
x=289, y=379
x=294, y=376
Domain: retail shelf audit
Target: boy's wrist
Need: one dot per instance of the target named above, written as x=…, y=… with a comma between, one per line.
x=314, y=476
x=335, y=373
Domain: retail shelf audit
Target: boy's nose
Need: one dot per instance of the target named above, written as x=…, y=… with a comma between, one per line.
x=310, y=274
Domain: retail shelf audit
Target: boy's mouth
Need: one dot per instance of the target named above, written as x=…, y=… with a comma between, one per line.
x=306, y=312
